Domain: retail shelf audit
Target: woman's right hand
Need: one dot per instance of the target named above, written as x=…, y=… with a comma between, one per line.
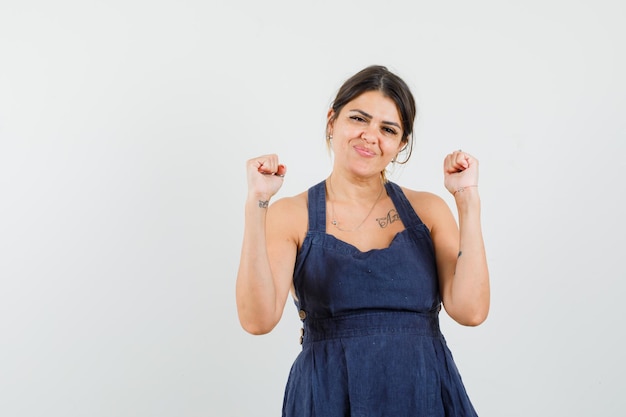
x=265, y=176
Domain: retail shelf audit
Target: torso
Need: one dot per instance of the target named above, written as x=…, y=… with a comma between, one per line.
x=377, y=232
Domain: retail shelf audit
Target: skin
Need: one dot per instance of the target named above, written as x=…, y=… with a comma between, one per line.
x=366, y=137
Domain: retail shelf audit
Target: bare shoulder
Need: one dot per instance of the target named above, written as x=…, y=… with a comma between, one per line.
x=430, y=207
x=289, y=217
x=290, y=205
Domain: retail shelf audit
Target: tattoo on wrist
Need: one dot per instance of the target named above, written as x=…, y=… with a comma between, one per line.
x=264, y=203
x=391, y=217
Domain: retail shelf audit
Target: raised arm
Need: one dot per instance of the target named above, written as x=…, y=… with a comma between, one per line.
x=460, y=252
x=268, y=250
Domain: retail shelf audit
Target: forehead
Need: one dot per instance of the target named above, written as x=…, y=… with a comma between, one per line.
x=375, y=104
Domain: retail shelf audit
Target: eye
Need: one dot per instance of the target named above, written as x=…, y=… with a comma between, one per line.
x=390, y=130
x=357, y=118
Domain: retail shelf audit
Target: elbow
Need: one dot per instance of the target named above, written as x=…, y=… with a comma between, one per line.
x=471, y=318
x=254, y=320
x=255, y=326
x=256, y=330
x=473, y=321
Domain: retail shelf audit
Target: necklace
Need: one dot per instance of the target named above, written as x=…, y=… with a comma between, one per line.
x=334, y=221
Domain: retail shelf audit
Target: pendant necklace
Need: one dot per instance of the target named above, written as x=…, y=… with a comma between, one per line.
x=334, y=221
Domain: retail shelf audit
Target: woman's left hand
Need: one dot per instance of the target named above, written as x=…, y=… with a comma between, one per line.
x=460, y=170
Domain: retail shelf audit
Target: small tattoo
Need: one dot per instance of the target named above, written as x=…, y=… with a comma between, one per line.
x=392, y=216
x=264, y=203
x=457, y=257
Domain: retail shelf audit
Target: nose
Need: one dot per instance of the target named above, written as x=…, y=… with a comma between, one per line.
x=369, y=134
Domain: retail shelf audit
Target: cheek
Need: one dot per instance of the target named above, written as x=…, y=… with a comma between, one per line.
x=393, y=147
x=402, y=145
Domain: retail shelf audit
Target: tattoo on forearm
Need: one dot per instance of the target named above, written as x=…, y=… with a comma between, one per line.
x=264, y=203
x=391, y=217
x=457, y=257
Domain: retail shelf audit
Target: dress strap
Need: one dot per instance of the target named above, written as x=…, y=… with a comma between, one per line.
x=317, y=207
x=405, y=209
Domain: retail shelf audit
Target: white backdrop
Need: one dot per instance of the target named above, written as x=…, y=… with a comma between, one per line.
x=124, y=130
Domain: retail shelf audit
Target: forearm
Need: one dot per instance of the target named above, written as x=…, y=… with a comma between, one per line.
x=256, y=290
x=470, y=292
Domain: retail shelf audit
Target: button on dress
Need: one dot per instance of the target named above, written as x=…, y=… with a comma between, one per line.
x=371, y=343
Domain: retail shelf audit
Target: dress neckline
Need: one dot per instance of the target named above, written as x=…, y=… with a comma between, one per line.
x=354, y=248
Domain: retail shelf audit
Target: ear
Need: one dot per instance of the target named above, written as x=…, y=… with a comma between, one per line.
x=330, y=121
x=402, y=146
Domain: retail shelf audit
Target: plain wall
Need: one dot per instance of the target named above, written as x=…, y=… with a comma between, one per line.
x=124, y=131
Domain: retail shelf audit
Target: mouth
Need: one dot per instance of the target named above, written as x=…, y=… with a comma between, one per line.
x=363, y=151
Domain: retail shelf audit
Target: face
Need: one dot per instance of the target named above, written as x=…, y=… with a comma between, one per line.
x=367, y=133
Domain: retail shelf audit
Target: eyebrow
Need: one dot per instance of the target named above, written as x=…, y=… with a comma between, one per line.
x=370, y=116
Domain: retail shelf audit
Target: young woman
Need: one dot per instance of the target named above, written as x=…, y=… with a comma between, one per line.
x=369, y=264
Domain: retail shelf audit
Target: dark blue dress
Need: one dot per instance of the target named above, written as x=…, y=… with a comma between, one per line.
x=371, y=339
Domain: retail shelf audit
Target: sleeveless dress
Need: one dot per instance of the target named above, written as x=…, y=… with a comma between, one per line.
x=371, y=344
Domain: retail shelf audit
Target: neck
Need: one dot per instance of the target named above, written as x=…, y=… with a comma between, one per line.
x=355, y=189
x=358, y=204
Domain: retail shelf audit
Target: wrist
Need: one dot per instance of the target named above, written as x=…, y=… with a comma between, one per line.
x=467, y=200
x=259, y=200
x=463, y=189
